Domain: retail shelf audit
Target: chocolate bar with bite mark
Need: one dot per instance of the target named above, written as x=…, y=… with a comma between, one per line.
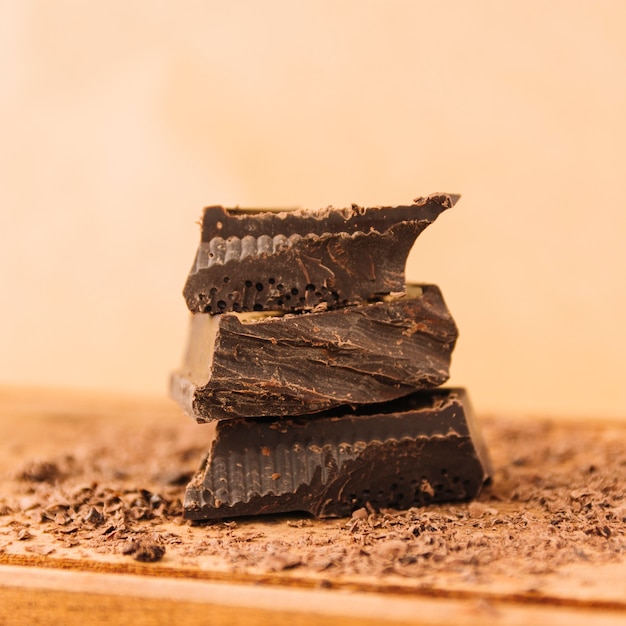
x=298, y=260
x=247, y=365
x=420, y=449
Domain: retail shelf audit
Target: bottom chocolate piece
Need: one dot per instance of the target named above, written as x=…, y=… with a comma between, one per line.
x=420, y=449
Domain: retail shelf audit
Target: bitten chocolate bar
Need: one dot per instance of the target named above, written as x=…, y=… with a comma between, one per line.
x=297, y=260
x=251, y=366
x=417, y=450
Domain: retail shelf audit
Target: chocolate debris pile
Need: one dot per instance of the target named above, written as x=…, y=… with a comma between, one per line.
x=319, y=369
x=557, y=506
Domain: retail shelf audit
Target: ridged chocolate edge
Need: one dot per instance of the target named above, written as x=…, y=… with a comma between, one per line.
x=218, y=221
x=301, y=260
x=410, y=452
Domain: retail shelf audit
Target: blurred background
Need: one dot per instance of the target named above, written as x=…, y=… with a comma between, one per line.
x=119, y=121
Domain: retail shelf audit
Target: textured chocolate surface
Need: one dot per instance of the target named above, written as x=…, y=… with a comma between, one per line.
x=420, y=449
x=297, y=260
x=307, y=363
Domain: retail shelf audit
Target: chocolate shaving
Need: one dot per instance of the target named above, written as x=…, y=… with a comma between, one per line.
x=557, y=500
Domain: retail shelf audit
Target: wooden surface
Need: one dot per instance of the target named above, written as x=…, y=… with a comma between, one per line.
x=45, y=580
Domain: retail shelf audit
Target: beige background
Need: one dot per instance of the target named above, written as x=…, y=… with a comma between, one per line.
x=120, y=120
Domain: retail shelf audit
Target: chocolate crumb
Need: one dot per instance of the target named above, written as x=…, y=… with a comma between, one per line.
x=544, y=515
x=24, y=534
x=144, y=550
x=40, y=472
x=360, y=513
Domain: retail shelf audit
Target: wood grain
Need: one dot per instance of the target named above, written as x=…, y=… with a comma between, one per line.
x=71, y=597
x=70, y=583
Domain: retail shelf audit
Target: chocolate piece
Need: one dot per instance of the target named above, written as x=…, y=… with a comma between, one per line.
x=420, y=449
x=299, y=364
x=253, y=261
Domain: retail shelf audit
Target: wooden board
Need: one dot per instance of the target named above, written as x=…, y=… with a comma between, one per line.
x=545, y=544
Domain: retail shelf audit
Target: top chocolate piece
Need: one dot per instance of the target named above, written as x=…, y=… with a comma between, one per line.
x=298, y=260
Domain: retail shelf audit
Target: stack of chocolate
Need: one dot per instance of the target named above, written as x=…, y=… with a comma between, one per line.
x=319, y=368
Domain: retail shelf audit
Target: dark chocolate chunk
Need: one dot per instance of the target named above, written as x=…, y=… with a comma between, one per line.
x=413, y=451
x=297, y=260
x=300, y=364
